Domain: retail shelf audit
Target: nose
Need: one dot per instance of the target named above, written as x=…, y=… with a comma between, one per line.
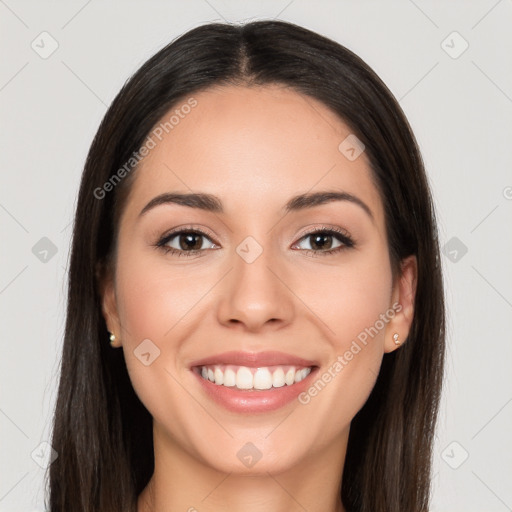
x=254, y=296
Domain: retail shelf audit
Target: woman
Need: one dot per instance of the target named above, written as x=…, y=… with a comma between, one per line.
x=255, y=236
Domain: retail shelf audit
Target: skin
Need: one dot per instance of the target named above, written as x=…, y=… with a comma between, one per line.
x=254, y=148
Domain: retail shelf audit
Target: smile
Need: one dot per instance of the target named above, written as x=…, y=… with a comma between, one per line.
x=247, y=378
x=249, y=382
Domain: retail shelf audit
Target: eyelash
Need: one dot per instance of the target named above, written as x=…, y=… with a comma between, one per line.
x=341, y=235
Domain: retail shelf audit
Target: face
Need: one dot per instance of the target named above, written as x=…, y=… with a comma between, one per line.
x=255, y=289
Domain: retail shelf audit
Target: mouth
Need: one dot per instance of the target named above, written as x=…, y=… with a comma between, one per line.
x=253, y=382
x=246, y=378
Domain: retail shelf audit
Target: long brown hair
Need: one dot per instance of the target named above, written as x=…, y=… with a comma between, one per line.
x=101, y=431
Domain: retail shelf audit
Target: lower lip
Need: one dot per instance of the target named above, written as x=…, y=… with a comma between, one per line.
x=254, y=401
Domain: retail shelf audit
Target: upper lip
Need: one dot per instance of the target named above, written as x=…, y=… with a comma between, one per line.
x=254, y=359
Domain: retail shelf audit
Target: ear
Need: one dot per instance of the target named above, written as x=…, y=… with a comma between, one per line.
x=402, y=302
x=106, y=283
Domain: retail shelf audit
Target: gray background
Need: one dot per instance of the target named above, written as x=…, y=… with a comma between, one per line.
x=458, y=102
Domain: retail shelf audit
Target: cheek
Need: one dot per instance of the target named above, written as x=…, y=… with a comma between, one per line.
x=354, y=305
x=350, y=298
x=151, y=306
x=154, y=305
x=154, y=299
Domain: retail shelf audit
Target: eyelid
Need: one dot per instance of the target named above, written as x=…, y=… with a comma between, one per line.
x=322, y=228
x=187, y=229
x=343, y=236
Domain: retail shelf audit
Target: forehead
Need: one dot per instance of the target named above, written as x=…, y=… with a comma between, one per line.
x=251, y=146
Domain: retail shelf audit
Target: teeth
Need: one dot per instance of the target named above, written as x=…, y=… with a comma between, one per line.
x=243, y=377
x=262, y=379
x=301, y=374
x=219, y=376
x=229, y=377
x=278, y=378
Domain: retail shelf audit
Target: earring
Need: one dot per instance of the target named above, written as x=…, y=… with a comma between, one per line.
x=112, y=339
x=395, y=339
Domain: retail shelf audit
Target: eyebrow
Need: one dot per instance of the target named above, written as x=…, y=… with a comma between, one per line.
x=211, y=203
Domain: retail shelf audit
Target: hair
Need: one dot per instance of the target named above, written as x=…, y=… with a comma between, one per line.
x=101, y=431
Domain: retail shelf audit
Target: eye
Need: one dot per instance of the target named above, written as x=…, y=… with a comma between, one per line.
x=325, y=241
x=189, y=242
x=186, y=242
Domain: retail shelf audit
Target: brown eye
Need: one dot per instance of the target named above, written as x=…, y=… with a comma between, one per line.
x=186, y=242
x=321, y=241
x=324, y=241
x=190, y=241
